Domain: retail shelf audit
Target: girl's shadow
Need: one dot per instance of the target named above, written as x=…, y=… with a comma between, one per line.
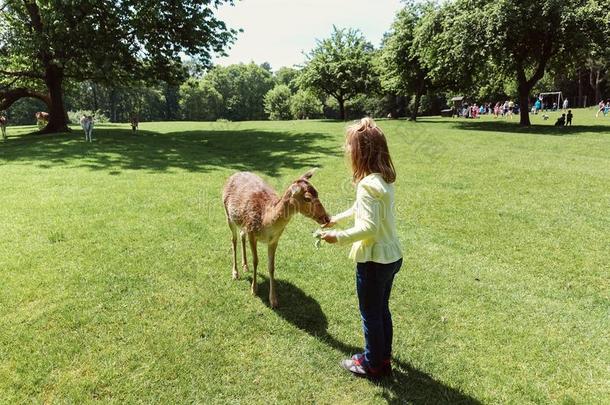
x=407, y=384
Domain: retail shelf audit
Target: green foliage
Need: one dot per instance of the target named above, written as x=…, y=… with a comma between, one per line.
x=75, y=116
x=45, y=43
x=305, y=104
x=113, y=40
x=242, y=88
x=401, y=70
x=289, y=77
x=200, y=101
x=463, y=42
x=277, y=102
x=340, y=66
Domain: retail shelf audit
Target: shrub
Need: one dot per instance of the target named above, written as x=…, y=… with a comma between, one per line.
x=74, y=116
x=277, y=102
x=305, y=104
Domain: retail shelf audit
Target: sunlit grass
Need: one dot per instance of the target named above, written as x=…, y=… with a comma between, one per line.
x=115, y=279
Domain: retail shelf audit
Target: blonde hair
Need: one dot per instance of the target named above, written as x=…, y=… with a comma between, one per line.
x=367, y=150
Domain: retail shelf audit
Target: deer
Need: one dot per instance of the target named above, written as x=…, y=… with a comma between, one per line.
x=255, y=211
x=42, y=118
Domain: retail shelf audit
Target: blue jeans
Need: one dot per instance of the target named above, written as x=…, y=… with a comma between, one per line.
x=374, y=284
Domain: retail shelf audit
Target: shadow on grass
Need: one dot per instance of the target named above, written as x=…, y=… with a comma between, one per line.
x=502, y=125
x=199, y=151
x=407, y=384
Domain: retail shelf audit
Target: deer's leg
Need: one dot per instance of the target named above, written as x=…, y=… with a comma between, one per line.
x=244, y=255
x=234, y=245
x=252, y=240
x=271, y=265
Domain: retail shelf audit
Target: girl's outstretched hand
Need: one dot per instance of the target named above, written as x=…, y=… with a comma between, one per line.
x=329, y=224
x=329, y=237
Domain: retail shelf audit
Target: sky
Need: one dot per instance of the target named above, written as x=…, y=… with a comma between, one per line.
x=278, y=31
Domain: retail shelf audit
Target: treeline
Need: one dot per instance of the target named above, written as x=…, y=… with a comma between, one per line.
x=487, y=51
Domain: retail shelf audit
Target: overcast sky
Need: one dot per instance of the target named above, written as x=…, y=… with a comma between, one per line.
x=278, y=31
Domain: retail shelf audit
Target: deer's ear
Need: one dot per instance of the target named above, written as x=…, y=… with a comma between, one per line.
x=309, y=174
x=295, y=189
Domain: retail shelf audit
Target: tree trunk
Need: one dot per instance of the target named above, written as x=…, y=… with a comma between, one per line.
x=579, y=102
x=94, y=94
x=112, y=104
x=341, y=108
x=524, y=98
x=58, y=119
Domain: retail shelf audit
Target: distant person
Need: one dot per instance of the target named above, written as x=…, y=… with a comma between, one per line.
x=511, y=109
x=565, y=104
x=134, y=122
x=601, y=109
x=569, y=118
x=505, y=109
x=561, y=121
x=537, y=106
x=3, y=124
x=86, y=122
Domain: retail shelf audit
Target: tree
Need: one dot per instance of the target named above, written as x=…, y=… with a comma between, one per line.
x=341, y=67
x=519, y=39
x=277, y=102
x=243, y=88
x=401, y=71
x=288, y=76
x=200, y=101
x=45, y=43
x=305, y=104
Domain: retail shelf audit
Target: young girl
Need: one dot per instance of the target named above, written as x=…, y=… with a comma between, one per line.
x=375, y=246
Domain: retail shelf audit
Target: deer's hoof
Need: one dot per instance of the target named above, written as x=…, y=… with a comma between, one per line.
x=273, y=302
x=254, y=289
x=245, y=268
x=235, y=275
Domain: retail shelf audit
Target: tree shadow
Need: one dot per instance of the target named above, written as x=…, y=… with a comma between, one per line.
x=198, y=151
x=514, y=127
x=407, y=384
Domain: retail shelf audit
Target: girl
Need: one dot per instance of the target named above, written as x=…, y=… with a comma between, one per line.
x=375, y=246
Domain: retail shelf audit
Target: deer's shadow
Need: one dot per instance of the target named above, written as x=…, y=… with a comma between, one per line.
x=407, y=384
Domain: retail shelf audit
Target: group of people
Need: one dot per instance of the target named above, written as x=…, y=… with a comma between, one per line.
x=505, y=109
x=604, y=108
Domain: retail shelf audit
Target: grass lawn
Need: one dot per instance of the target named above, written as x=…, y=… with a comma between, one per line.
x=115, y=266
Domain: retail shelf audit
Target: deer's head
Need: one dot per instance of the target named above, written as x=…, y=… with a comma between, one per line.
x=305, y=199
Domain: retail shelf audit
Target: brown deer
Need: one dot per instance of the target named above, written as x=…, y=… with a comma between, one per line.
x=254, y=208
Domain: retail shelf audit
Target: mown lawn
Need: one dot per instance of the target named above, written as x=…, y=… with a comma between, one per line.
x=115, y=279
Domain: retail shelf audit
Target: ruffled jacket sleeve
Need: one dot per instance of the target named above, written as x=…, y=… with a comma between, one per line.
x=367, y=213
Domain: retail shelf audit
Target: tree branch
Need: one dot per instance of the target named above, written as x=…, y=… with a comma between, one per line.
x=8, y=97
x=23, y=73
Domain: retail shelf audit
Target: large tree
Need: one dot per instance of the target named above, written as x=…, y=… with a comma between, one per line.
x=521, y=39
x=45, y=43
x=401, y=71
x=340, y=67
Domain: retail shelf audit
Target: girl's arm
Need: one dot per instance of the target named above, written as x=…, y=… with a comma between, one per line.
x=349, y=213
x=368, y=207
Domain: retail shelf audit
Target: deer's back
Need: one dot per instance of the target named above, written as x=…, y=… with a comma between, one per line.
x=245, y=198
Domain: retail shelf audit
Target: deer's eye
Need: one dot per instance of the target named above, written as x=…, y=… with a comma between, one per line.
x=307, y=198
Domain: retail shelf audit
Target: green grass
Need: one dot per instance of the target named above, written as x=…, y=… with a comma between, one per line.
x=115, y=273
